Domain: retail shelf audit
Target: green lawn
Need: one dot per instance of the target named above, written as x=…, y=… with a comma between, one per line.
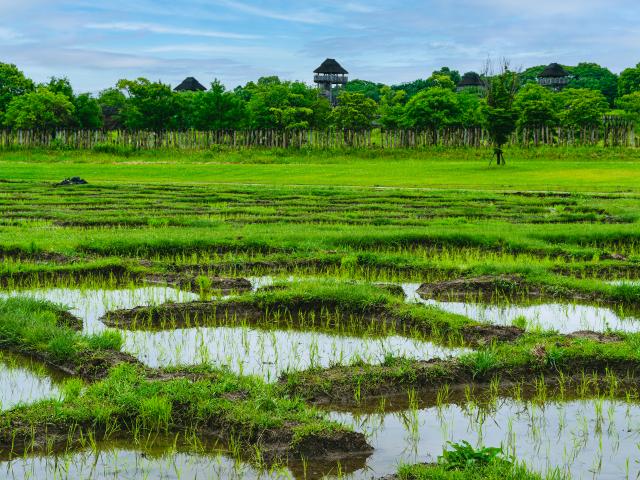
x=580, y=170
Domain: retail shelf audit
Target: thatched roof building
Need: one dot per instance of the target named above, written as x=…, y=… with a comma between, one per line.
x=190, y=84
x=328, y=76
x=470, y=80
x=331, y=66
x=554, y=77
x=554, y=70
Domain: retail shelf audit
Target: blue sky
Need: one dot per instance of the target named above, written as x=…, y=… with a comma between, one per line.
x=95, y=43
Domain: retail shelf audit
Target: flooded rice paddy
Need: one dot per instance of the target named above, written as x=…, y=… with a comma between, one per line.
x=25, y=381
x=560, y=317
x=244, y=350
x=589, y=439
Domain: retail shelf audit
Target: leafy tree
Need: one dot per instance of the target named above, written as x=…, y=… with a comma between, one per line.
x=88, y=114
x=531, y=74
x=629, y=81
x=60, y=85
x=470, y=108
x=391, y=109
x=454, y=75
x=433, y=109
x=368, y=89
x=413, y=88
x=582, y=108
x=536, y=106
x=354, y=111
x=595, y=77
x=289, y=105
x=112, y=102
x=39, y=110
x=13, y=83
x=630, y=103
x=218, y=109
x=150, y=106
x=500, y=115
x=441, y=81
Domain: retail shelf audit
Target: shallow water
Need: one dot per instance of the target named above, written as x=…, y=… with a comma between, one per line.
x=263, y=352
x=127, y=464
x=91, y=304
x=563, y=318
x=23, y=381
x=269, y=353
x=589, y=439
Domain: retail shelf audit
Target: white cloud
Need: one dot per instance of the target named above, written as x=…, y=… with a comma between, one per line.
x=10, y=36
x=306, y=16
x=162, y=29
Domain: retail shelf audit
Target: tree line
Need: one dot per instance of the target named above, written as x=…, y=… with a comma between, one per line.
x=508, y=101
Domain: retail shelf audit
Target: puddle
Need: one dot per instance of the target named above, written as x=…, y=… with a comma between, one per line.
x=23, y=381
x=269, y=353
x=244, y=350
x=588, y=439
x=91, y=304
x=124, y=464
x=564, y=318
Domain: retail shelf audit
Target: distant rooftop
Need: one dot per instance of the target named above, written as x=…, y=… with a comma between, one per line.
x=554, y=70
x=470, y=79
x=190, y=84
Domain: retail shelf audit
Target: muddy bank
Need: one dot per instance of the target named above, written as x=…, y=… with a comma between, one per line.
x=51, y=426
x=301, y=314
x=350, y=385
x=201, y=283
x=115, y=274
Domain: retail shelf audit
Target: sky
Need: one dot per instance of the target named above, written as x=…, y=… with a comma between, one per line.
x=95, y=43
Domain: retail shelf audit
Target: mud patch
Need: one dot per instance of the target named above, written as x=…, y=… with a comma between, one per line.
x=202, y=283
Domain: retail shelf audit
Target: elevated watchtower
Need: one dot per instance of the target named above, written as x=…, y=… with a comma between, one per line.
x=328, y=75
x=554, y=77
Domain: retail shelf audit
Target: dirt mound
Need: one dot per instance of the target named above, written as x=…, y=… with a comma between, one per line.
x=202, y=283
x=484, y=287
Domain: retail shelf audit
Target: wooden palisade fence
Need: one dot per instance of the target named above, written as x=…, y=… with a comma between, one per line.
x=612, y=134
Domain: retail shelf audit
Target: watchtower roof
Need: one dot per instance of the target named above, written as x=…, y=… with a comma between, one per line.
x=330, y=65
x=554, y=70
x=190, y=84
x=470, y=79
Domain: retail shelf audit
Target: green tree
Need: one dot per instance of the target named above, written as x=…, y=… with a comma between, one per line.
x=150, y=106
x=218, y=109
x=500, y=115
x=433, y=109
x=595, y=77
x=630, y=103
x=629, y=81
x=391, y=109
x=470, y=108
x=536, y=106
x=368, y=89
x=39, y=110
x=112, y=102
x=582, y=108
x=88, y=114
x=413, y=88
x=13, y=83
x=60, y=85
x=454, y=75
x=441, y=81
x=531, y=74
x=289, y=105
x=354, y=111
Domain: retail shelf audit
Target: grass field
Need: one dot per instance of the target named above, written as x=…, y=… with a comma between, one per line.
x=348, y=247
